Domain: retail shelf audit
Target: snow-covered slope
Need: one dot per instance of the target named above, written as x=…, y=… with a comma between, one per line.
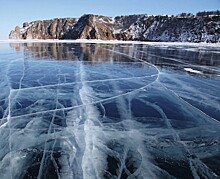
x=175, y=29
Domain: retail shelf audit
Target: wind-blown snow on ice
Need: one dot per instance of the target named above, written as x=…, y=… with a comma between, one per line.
x=71, y=110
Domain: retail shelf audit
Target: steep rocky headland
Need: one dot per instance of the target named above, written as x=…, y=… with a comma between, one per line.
x=181, y=28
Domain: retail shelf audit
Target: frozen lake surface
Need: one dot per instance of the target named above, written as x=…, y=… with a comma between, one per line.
x=83, y=110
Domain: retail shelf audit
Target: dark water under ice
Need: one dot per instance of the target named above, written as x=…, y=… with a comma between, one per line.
x=73, y=111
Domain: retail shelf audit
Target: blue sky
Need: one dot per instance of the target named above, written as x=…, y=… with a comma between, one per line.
x=15, y=12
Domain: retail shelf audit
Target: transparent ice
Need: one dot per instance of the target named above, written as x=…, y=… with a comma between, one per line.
x=71, y=110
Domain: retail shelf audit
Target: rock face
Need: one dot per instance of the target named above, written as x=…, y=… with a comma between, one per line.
x=92, y=27
x=175, y=29
x=46, y=29
x=182, y=28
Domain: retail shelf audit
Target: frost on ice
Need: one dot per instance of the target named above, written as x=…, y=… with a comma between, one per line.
x=109, y=111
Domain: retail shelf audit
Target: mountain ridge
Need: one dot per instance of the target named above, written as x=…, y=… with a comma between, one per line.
x=160, y=28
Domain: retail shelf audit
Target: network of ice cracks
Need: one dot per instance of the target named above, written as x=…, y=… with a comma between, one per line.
x=120, y=117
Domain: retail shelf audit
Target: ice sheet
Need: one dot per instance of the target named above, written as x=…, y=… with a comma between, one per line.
x=85, y=110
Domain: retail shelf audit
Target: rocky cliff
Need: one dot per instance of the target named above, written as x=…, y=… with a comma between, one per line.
x=181, y=28
x=46, y=29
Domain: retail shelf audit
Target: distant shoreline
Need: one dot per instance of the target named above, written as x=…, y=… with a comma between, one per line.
x=186, y=27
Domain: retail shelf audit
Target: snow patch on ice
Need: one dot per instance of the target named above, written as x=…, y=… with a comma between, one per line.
x=192, y=70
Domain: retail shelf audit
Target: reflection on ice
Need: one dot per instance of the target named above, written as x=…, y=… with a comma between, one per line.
x=108, y=111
